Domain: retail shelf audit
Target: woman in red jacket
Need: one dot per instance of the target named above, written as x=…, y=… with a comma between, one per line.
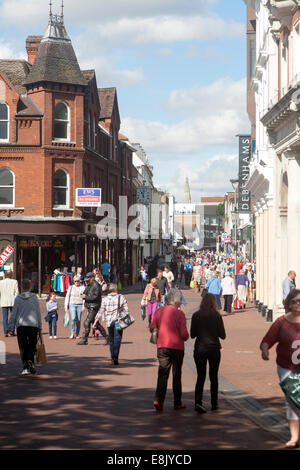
x=286, y=332
x=172, y=333
x=153, y=296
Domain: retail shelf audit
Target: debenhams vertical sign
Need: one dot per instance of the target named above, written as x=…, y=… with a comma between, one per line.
x=244, y=169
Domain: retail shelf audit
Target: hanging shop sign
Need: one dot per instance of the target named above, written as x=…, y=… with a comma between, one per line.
x=244, y=170
x=88, y=197
x=6, y=254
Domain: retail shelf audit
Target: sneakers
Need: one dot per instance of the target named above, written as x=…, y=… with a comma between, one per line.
x=200, y=409
x=158, y=406
x=50, y=337
x=25, y=372
x=31, y=367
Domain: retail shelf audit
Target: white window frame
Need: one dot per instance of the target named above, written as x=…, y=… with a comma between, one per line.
x=2, y=120
x=58, y=139
x=67, y=206
x=14, y=180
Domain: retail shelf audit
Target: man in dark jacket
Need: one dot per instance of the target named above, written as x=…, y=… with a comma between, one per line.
x=92, y=296
x=163, y=285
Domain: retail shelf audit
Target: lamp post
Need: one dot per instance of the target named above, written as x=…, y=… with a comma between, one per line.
x=234, y=183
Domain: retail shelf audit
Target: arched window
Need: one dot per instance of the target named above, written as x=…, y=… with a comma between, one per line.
x=7, y=187
x=62, y=122
x=61, y=189
x=4, y=122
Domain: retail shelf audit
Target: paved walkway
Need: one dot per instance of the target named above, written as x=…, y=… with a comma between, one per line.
x=79, y=401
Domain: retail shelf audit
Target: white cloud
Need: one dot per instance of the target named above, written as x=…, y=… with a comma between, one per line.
x=7, y=52
x=209, y=179
x=107, y=74
x=92, y=11
x=216, y=113
x=169, y=28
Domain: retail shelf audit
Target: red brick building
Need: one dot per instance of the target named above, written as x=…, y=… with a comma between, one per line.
x=58, y=132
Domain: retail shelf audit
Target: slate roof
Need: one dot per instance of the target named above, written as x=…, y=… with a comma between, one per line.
x=56, y=62
x=16, y=72
x=107, y=98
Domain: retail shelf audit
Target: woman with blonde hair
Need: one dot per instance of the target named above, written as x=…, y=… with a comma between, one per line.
x=153, y=296
x=74, y=304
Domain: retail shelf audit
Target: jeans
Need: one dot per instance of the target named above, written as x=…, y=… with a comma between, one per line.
x=213, y=358
x=52, y=322
x=217, y=296
x=188, y=277
x=6, y=311
x=75, y=312
x=143, y=283
x=168, y=358
x=27, y=339
x=115, y=338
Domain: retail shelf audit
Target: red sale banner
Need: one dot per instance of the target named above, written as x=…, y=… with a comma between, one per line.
x=6, y=254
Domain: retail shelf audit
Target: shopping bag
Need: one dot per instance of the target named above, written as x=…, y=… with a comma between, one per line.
x=143, y=312
x=291, y=386
x=192, y=284
x=40, y=353
x=66, y=319
x=120, y=285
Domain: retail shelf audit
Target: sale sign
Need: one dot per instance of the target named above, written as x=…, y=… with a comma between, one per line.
x=88, y=197
x=6, y=254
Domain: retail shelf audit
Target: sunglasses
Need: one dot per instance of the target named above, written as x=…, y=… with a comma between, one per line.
x=295, y=301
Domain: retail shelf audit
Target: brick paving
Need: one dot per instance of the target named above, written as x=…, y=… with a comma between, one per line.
x=79, y=401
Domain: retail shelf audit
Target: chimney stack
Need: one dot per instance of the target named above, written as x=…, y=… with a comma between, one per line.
x=32, y=46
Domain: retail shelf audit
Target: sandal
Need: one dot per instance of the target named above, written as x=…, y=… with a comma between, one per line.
x=291, y=444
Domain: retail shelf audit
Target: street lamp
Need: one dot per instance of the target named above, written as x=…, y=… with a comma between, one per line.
x=234, y=183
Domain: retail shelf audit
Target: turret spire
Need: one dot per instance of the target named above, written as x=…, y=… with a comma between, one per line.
x=187, y=192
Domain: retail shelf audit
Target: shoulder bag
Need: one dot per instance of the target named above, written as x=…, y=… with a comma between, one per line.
x=126, y=320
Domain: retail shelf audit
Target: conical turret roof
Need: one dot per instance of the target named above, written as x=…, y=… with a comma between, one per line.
x=56, y=60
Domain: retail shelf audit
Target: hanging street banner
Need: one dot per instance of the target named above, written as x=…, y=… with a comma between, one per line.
x=5, y=255
x=244, y=200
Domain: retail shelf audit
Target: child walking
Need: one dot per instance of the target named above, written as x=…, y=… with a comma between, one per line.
x=52, y=316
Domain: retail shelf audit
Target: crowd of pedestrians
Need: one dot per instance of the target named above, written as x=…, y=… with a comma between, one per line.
x=96, y=296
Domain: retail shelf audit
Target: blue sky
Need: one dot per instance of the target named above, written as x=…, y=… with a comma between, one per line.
x=179, y=67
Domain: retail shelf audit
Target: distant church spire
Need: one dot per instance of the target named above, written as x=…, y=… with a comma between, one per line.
x=187, y=192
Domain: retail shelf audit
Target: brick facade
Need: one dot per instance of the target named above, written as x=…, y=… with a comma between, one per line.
x=91, y=156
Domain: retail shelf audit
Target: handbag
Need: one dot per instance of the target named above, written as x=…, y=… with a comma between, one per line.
x=40, y=353
x=125, y=321
x=204, y=292
x=154, y=335
x=291, y=386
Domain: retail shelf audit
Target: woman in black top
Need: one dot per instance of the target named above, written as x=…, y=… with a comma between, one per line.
x=207, y=326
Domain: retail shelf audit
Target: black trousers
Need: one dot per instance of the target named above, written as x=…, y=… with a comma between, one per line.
x=188, y=277
x=27, y=339
x=228, y=303
x=168, y=358
x=201, y=359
